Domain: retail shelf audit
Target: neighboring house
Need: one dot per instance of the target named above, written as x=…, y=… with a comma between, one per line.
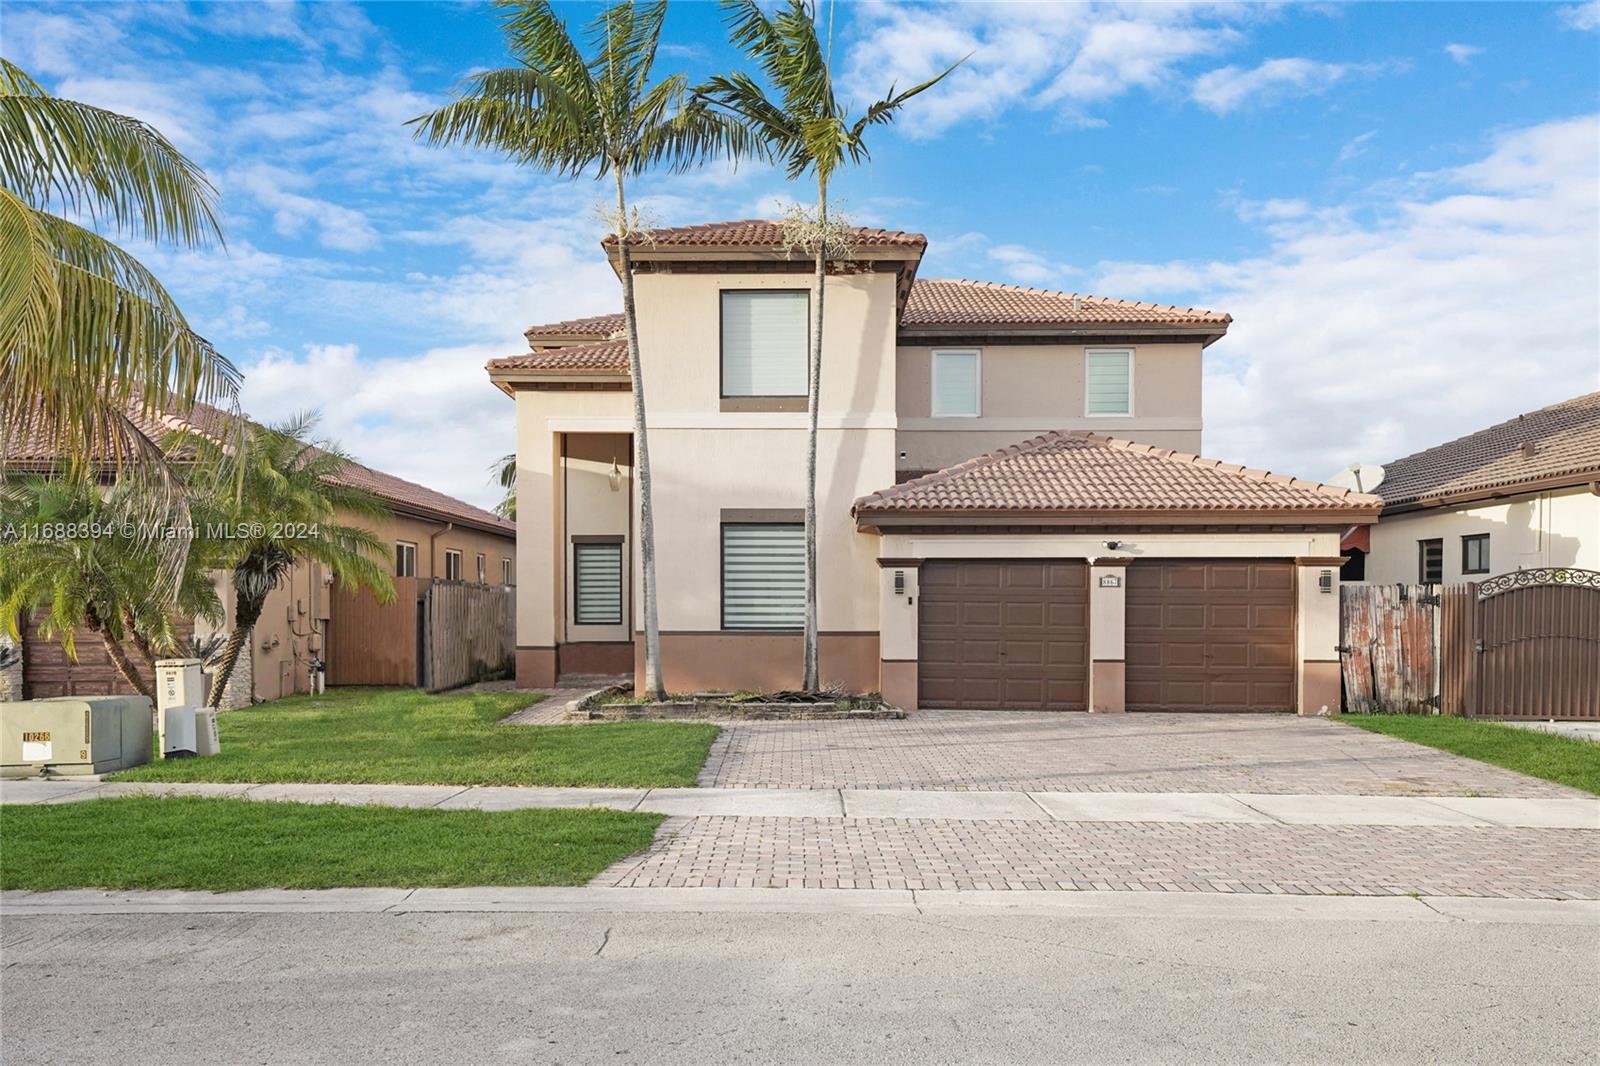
x=1517, y=496
x=1073, y=570
x=430, y=536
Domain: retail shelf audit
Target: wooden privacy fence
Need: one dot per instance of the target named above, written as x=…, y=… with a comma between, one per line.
x=372, y=643
x=1522, y=645
x=469, y=634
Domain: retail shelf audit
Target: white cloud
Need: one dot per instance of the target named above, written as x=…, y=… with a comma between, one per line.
x=338, y=227
x=1468, y=299
x=1061, y=57
x=1585, y=16
x=1355, y=146
x=1462, y=53
x=1229, y=88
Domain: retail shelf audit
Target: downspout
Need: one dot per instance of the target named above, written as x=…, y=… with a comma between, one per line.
x=433, y=555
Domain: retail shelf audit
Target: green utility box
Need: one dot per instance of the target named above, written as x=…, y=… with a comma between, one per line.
x=73, y=735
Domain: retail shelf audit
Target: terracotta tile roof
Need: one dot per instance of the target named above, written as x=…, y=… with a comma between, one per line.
x=1082, y=472
x=1559, y=441
x=757, y=233
x=600, y=326
x=606, y=357
x=960, y=302
x=36, y=451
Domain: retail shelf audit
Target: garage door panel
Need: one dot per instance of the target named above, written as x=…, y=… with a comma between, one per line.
x=1004, y=634
x=1210, y=635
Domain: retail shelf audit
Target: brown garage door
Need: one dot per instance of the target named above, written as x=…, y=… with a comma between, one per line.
x=48, y=671
x=1004, y=635
x=1210, y=635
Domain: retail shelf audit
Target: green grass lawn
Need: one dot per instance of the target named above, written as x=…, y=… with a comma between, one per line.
x=403, y=736
x=1565, y=760
x=222, y=845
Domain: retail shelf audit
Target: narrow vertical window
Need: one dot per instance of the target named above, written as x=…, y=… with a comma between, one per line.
x=452, y=565
x=597, y=583
x=483, y=569
x=505, y=571
x=956, y=384
x=405, y=560
x=1108, y=382
x=1430, y=561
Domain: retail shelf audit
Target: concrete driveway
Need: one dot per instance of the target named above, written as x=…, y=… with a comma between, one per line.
x=1062, y=752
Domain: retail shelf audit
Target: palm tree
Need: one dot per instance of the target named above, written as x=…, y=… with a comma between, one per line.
x=802, y=124
x=564, y=112
x=87, y=333
x=504, y=470
x=71, y=566
x=285, y=505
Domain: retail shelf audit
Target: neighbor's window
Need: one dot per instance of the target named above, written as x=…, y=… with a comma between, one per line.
x=452, y=565
x=597, y=583
x=405, y=560
x=764, y=342
x=483, y=569
x=1430, y=561
x=1475, y=554
x=505, y=572
x=955, y=384
x=763, y=576
x=1108, y=382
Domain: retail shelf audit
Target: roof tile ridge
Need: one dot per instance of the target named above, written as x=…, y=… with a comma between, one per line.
x=935, y=477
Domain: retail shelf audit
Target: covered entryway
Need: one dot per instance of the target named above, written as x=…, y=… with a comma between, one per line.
x=1004, y=634
x=1210, y=635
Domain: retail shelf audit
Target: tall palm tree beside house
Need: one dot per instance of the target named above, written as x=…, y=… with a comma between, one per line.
x=504, y=470
x=802, y=124
x=93, y=578
x=285, y=505
x=571, y=113
x=87, y=332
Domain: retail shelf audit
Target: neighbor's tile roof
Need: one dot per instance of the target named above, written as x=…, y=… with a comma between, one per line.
x=960, y=302
x=1560, y=440
x=593, y=326
x=758, y=233
x=205, y=418
x=1081, y=471
x=605, y=357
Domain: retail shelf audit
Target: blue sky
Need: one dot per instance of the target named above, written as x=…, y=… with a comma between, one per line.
x=1397, y=202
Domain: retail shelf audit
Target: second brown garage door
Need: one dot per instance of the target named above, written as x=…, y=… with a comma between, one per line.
x=996, y=635
x=1210, y=635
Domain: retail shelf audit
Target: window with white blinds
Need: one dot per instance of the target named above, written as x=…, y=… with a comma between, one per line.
x=763, y=576
x=1108, y=382
x=955, y=384
x=764, y=342
x=597, y=584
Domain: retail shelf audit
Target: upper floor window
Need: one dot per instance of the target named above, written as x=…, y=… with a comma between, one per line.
x=764, y=342
x=483, y=569
x=1430, y=561
x=1108, y=381
x=956, y=383
x=505, y=572
x=405, y=560
x=1475, y=553
x=452, y=565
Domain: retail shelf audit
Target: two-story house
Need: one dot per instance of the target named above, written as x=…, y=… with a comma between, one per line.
x=1011, y=510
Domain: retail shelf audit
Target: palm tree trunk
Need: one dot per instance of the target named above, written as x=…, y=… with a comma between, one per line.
x=246, y=613
x=140, y=644
x=654, y=688
x=811, y=680
x=118, y=656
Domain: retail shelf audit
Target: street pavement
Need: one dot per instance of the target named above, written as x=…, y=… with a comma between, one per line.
x=1099, y=979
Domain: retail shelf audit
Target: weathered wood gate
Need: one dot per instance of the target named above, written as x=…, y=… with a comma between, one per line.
x=1523, y=645
x=1387, y=647
x=469, y=633
x=372, y=643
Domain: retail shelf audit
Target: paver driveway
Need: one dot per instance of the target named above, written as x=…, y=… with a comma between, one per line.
x=1061, y=752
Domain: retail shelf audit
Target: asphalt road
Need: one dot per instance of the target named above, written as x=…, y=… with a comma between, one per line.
x=801, y=988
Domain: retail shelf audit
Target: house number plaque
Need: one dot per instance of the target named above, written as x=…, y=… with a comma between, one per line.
x=1110, y=581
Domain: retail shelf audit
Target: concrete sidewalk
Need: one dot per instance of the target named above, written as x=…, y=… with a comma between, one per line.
x=1191, y=807
x=15, y=904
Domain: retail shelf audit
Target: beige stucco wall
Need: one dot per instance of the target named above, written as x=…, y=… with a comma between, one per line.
x=1541, y=529
x=1027, y=389
x=592, y=506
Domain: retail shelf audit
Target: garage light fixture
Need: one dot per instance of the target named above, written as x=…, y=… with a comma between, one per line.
x=899, y=582
x=1325, y=582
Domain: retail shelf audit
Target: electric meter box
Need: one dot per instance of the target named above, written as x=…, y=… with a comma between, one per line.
x=179, y=683
x=73, y=735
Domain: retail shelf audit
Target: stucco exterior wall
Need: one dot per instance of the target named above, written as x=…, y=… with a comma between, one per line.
x=1539, y=529
x=1027, y=389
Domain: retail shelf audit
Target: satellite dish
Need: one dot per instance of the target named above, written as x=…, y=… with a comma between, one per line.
x=1361, y=477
